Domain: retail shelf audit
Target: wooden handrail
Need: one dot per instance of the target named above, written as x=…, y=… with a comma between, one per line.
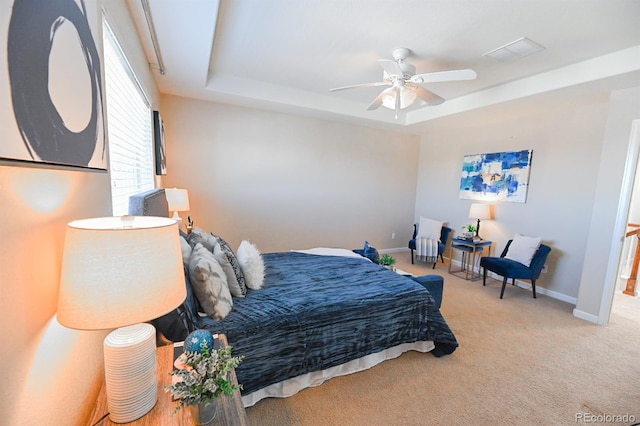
x=632, y=281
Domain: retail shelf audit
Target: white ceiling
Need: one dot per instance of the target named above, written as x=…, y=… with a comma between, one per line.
x=287, y=54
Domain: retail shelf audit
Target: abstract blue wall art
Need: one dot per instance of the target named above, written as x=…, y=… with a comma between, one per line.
x=499, y=176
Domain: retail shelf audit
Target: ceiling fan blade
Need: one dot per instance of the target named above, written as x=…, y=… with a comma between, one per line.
x=378, y=100
x=429, y=97
x=453, y=75
x=390, y=67
x=355, y=86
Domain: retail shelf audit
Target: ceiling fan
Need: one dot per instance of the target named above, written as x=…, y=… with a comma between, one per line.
x=406, y=84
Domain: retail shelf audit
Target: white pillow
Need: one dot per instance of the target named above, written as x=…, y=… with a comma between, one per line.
x=429, y=228
x=523, y=248
x=252, y=264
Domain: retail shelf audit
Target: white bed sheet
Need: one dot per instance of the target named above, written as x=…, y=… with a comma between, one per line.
x=328, y=251
x=294, y=385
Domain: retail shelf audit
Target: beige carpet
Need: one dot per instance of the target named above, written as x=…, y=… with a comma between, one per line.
x=521, y=361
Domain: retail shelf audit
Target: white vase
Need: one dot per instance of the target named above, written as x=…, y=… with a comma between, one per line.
x=203, y=414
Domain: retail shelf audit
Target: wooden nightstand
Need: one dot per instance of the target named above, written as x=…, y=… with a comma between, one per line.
x=230, y=408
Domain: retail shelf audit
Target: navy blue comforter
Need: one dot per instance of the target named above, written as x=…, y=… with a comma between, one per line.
x=316, y=312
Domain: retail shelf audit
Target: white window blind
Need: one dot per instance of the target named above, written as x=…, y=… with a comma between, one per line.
x=129, y=127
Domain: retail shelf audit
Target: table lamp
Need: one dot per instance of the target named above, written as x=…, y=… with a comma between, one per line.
x=479, y=211
x=178, y=201
x=118, y=272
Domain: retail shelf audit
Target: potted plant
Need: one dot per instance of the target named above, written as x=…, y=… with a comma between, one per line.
x=202, y=376
x=471, y=229
x=387, y=261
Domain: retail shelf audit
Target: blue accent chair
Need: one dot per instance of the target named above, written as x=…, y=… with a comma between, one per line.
x=442, y=245
x=508, y=268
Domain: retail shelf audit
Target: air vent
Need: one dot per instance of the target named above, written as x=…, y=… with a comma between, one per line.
x=515, y=50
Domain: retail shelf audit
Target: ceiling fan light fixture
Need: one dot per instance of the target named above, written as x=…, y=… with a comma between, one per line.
x=407, y=98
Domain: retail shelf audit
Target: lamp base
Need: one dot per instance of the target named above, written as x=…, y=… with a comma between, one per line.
x=478, y=237
x=130, y=372
x=178, y=219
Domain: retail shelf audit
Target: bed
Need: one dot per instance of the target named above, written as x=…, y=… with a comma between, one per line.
x=320, y=314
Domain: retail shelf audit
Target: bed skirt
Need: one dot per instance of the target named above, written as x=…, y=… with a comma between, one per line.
x=294, y=385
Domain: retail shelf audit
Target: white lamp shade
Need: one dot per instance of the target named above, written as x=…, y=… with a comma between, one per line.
x=118, y=271
x=480, y=211
x=177, y=199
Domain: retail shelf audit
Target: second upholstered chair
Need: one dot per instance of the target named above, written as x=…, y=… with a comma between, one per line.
x=512, y=269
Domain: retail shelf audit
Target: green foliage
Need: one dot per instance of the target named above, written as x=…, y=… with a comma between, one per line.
x=204, y=376
x=386, y=260
x=469, y=228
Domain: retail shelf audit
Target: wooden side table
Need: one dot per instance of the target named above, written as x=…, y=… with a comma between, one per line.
x=230, y=408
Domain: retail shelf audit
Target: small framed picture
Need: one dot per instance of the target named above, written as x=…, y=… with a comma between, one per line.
x=158, y=138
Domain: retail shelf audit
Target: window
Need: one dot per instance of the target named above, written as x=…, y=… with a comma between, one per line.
x=129, y=127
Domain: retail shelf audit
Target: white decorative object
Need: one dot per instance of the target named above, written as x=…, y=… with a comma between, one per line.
x=130, y=371
x=252, y=264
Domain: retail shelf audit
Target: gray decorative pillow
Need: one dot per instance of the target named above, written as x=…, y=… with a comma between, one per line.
x=198, y=235
x=231, y=257
x=252, y=265
x=209, y=283
x=232, y=280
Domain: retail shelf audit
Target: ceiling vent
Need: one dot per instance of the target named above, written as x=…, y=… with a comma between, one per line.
x=515, y=50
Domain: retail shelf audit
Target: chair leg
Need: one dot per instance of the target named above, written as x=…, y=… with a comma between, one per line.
x=434, y=263
x=513, y=281
x=484, y=276
x=412, y=256
x=533, y=284
x=504, y=284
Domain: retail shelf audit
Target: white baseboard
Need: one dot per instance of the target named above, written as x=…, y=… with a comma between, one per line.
x=522, y=284
x=393, y=250
x=528, y=286
x=585, y=316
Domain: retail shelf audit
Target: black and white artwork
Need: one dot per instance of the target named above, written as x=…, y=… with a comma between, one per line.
x=158, y=137
x=55, y=80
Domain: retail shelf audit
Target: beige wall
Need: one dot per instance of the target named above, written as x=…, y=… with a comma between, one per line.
x=602, y=251
x=263, y=176
x=579, y=153
x=50, y=374
x=566, y=143
x=287, y=182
